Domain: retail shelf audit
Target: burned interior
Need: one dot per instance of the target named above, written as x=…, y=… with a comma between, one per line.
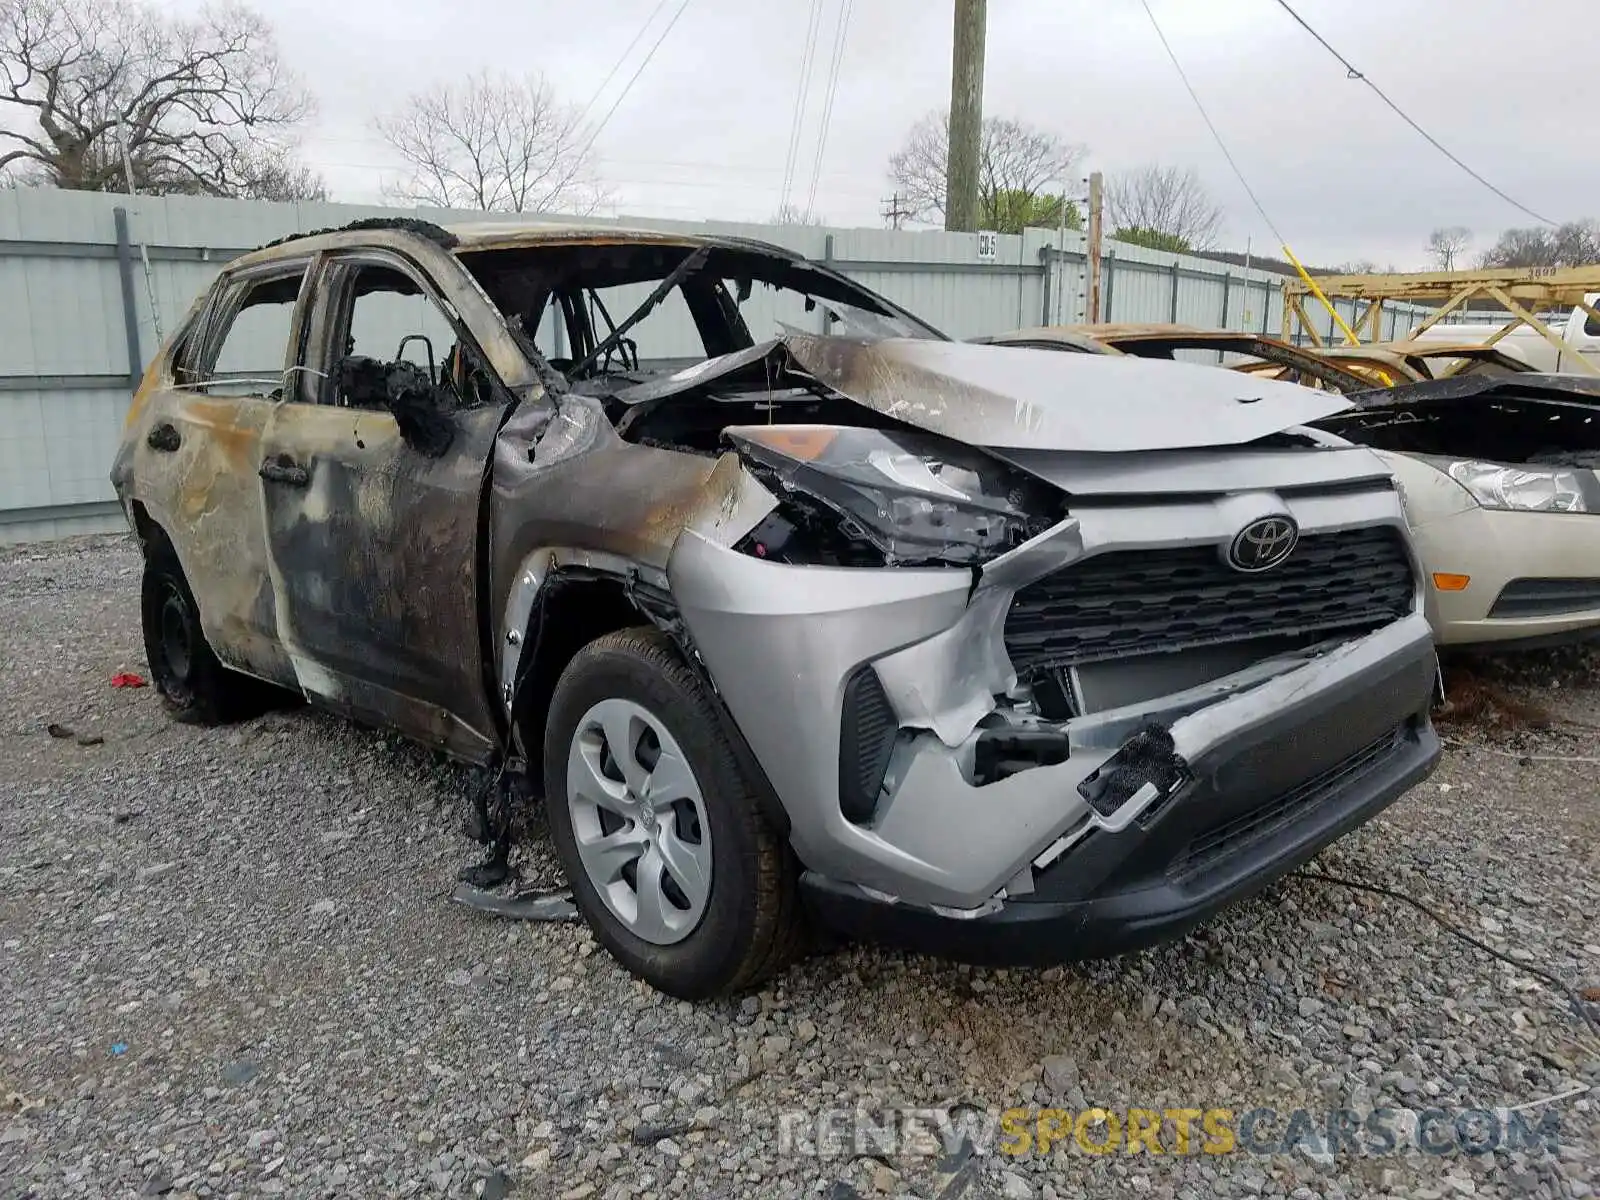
x=1544, y=420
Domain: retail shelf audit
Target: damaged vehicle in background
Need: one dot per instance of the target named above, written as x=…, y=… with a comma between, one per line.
x=788, y=605
x=1498, y=465
x=1501, y=480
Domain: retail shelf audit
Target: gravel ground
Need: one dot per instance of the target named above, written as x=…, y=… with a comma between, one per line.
x=230, y=969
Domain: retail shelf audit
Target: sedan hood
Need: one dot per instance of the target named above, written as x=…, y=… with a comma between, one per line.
x=1004, y=398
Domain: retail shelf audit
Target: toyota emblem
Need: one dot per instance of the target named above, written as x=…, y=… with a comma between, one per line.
x=1262, y=545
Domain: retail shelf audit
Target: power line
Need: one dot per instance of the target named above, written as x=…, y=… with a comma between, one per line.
x=1211, y=125
x=701, y=168
x=840, y=32
x=807, y=55
x=706, y=178
x=1399, y=112
x=622, y=58
x=634, y=78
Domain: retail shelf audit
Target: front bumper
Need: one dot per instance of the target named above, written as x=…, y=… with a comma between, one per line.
x=1494, y=548
x=1118, y=892
x=783, y=643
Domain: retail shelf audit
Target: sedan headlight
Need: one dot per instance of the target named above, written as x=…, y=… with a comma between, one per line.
x=915, y=497
x=1521, y=489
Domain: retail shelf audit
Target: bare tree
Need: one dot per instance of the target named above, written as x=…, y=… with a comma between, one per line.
x=1168, y=206
x=272, y=177
x=1447, y=244
x=793, y=214
x=1017, y=164
x=493, y=142
x=1577, y=243
x=203, y=104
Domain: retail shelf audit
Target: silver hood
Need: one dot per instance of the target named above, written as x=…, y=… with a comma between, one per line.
x=1005, y=398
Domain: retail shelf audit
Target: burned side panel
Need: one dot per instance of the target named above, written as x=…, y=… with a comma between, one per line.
x=191, y=462
x=374, y=567
x=572, y=482
x=326, y=553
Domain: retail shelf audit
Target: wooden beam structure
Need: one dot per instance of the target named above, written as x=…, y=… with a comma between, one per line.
x=1519, y=292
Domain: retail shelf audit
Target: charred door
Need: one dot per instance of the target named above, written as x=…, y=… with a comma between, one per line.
x=374, y=532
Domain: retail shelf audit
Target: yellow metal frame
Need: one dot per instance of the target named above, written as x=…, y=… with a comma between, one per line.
x=1518, y=291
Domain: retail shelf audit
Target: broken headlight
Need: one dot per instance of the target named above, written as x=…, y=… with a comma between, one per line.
x=1520, y=489
x=914, y=497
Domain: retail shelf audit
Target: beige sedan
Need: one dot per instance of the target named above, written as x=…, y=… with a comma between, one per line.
x=1508, y=524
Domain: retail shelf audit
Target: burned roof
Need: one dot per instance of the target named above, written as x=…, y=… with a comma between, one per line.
x=1125, y=330
x=497, y=235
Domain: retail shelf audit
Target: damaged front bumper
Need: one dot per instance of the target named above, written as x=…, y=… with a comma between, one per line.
x=1111, y=828
x=1275, y=782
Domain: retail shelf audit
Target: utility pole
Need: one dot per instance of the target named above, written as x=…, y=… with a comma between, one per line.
x=1092, y=253
x=966, y=116
x=1059, y=267
x=892, y=212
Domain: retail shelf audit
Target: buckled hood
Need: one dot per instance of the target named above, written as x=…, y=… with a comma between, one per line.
x=1005, y=398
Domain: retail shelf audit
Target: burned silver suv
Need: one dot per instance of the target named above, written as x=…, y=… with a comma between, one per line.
x=789, y=606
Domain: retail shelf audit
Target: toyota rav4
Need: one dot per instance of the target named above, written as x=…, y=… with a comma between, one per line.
x=791, y=608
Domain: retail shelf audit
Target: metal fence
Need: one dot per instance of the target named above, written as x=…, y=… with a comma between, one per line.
x=90, y=283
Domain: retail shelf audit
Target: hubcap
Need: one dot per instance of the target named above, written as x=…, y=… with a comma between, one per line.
x=639, y=821
x=175, y=636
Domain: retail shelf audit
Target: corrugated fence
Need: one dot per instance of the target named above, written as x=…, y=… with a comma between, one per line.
x=89, y=284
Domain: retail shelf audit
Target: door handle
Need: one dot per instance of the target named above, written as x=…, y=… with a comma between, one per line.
x=285, y=470
x=164, y=438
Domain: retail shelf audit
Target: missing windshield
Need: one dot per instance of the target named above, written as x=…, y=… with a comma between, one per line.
x=625, y=312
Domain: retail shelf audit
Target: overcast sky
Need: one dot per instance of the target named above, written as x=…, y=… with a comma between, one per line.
x=705, y=130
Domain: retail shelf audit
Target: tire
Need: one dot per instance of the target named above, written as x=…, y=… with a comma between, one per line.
x=196, y=688
x=689, y=941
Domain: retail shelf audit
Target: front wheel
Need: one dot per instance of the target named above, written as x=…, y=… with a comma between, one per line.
x=657, y=826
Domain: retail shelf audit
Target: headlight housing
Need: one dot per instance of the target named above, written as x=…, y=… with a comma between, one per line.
x=915, y=497
x=1519, y=488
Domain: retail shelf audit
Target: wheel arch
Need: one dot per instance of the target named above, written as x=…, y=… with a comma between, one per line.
x=148, y=530
x=572, y=608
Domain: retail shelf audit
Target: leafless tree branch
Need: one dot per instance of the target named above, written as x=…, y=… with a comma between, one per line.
x=493, y=142
x=202, y=103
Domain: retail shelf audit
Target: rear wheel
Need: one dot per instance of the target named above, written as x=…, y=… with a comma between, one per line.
x=196, y=687
x=660, y=832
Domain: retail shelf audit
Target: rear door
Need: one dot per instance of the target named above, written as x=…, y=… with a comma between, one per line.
x=373, y=536
x=197, y=448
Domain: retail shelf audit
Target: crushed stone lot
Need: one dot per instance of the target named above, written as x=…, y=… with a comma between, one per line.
x=230, y=968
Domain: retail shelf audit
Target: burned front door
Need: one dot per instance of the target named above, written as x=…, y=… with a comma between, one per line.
x=374, y=534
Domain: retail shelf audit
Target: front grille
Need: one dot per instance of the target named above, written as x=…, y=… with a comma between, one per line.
x=1234, y=835
x=1127, y=603
x=1546, y=597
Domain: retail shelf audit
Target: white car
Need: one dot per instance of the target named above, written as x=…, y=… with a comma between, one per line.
x=1578, y=330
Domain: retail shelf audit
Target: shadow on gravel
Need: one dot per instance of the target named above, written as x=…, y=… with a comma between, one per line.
x=1514, y=690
